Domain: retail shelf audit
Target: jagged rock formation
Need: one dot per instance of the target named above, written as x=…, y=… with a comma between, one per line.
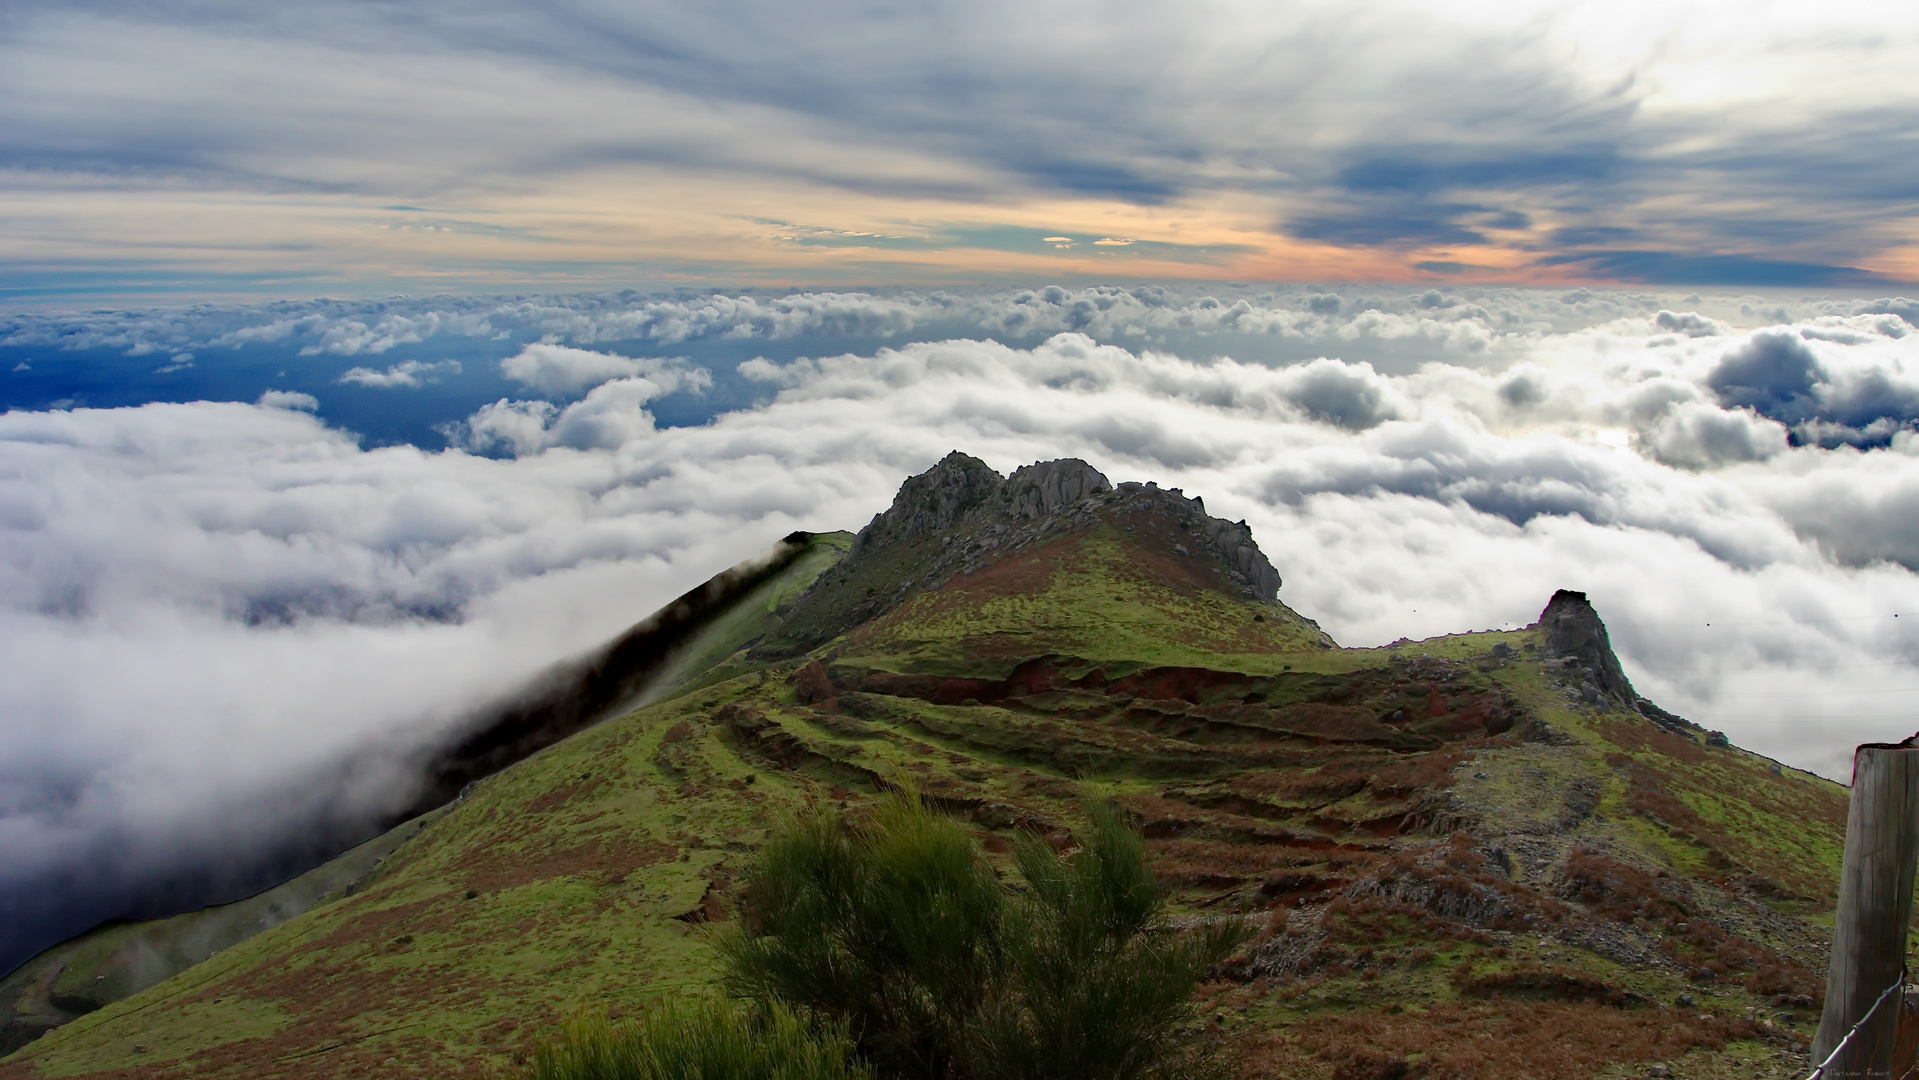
x=1576, y=640
x=1575, y=633
x=961, y=515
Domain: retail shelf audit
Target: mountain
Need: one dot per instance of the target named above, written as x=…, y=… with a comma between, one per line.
x=1479, y=855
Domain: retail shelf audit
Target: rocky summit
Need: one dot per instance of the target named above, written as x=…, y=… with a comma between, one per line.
x=1482, y=855
x=960, y=516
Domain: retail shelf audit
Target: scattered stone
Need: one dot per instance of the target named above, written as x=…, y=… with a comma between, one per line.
x=1676, y=724
x=1717, y=738
x=1659, y=1072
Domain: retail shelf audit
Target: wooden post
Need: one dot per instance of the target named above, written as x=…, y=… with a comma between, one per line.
x=1875, y=907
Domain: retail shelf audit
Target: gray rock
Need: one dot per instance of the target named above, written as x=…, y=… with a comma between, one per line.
x=1046, y=487
x=1575, y=632
x=933, y=500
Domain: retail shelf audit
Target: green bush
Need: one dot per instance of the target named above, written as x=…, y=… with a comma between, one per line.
x=891, y=928
x=898, y=928
x=701, y=1039
x=1095, y=986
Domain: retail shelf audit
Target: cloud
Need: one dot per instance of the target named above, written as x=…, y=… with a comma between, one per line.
x=1348, y=395
x=516, y=427
x=1693, y=435
x=1673, y=268
x=408, y=374
x=289, y=399
x=610, y=416
x=1860, y=394
x=1256, y=319
x=557, y=369
x=1689, y=323
x=1774, y=372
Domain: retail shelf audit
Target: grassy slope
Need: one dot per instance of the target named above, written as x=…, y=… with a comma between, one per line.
x=1279, y=786
x=709, y=656
x=123, y=958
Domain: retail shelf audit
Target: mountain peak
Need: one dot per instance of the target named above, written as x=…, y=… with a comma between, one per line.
x=961, y=516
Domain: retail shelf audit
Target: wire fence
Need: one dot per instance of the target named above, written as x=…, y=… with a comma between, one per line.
x=1900, y=1054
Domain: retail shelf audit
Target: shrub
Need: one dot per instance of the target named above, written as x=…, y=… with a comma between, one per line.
x=890, y=928
x=898, y=928
x=702, y=1039
x=1096, y=986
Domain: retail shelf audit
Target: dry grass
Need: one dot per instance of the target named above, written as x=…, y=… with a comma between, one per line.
x=1508, y=1040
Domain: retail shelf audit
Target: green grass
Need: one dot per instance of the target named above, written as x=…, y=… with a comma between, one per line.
x=1096, y=603
x=699, y=1038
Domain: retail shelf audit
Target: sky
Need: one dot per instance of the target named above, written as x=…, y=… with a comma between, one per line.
x=361, y=360
x=198, y=148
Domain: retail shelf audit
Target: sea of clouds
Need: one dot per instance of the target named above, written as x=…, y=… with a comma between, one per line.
x=224, y=623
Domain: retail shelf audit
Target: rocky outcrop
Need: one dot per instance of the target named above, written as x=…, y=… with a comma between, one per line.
x=960, y=516
x=1249, y=565
x=1577, y=642
x=1575, y=634
x=934, y=500
x=1048, y=487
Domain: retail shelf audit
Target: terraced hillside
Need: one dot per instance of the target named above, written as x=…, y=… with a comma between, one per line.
x=1473, y=856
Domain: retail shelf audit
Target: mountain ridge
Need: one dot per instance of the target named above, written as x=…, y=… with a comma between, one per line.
x=1480, y=836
